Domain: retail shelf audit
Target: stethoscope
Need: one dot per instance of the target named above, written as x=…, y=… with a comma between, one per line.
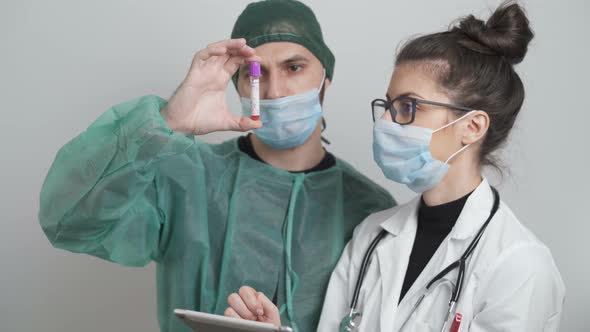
x=352, y=320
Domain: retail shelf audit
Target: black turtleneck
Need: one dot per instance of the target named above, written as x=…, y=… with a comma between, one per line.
x=434, y=224
x=245, y=145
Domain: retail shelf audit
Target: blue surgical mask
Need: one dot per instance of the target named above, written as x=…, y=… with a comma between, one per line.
x=288, y=121
x=403, y=154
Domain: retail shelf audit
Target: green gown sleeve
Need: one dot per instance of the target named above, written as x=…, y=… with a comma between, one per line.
x=100, y=196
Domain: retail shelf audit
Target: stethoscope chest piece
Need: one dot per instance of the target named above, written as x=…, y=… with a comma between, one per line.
x=351, y=322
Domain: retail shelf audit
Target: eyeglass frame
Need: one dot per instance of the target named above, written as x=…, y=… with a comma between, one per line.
x=415, y=101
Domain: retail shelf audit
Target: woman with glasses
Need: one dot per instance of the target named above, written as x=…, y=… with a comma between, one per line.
x=455, y=258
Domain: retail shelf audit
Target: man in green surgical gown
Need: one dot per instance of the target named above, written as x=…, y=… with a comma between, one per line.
x=271, y=209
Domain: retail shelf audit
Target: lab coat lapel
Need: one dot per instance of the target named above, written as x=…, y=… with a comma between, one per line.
x=393, y=255
x=446, y=254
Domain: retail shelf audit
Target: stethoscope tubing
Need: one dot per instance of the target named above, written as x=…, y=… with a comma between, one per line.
x=460, y=263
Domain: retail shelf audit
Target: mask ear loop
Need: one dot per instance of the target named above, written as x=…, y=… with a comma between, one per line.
x=325, y=140
x=453, y=122
x=323, y=80
x=450, y=124
x=456, y=153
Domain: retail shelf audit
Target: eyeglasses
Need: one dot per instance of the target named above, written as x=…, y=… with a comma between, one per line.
x=403, y=109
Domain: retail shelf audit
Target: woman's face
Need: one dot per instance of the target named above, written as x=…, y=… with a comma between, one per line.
x=419, y=81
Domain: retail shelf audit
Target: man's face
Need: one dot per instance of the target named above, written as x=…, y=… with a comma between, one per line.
x=287, y=69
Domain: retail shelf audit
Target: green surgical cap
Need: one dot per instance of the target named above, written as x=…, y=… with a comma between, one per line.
x=283, y=21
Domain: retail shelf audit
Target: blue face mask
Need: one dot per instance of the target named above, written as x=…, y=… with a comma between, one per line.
x=288, y=121
x=403, y=154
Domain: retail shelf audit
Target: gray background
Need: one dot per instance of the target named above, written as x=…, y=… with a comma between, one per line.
x=62, y=63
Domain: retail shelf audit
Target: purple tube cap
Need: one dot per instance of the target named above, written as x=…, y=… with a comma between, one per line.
x=254, y=68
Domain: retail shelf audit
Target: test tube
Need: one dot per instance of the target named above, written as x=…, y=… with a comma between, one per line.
x=254, y=68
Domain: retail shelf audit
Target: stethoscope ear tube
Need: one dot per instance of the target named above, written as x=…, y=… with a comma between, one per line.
x=463, y=260
x=364, y=265
x=475, y=241
x=442, y=273
x=459, y=282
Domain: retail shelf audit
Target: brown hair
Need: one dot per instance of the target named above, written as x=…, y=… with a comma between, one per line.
x=474, y=61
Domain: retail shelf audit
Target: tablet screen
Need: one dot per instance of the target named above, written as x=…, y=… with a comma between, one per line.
x=201, y=322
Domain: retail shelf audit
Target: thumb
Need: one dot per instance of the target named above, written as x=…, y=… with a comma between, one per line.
x=243, y=123
x=270, y=309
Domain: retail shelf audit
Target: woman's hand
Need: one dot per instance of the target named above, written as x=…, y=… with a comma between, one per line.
x=252, y=305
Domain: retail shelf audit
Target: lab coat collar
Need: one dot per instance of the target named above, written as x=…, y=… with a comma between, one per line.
x=397, y=223
x=393, y=256
x=474, y=214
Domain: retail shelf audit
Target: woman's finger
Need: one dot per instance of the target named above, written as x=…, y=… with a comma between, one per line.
x=271, y=312
x=230, y=312
x=240, y=307
x=249, y=296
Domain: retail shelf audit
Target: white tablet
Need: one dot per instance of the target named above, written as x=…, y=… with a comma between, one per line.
x=203, y=322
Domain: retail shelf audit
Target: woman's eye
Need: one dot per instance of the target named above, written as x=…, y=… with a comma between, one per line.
x=406, y=107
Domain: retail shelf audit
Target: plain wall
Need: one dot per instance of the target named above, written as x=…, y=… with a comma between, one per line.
x=63, y=63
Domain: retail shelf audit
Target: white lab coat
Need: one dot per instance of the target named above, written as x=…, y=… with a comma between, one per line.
x=511, y=281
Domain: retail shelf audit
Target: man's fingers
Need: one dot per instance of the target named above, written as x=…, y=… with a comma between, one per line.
x=209, y=52
x=202, y=55
x=253, y=58
x=238, y=305
x=232, y=64
x=245, y=51
x=249, y=296
x=224, y=47
x=232, y=53
x=229, y=47
x=230, y=44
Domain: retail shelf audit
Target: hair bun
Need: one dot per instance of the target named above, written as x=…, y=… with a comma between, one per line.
x=506, y=33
